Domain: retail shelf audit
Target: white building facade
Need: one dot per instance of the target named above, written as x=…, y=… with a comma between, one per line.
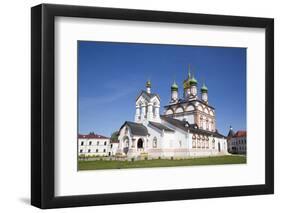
x=93, y=145
x=237, y=144
x=186, y=129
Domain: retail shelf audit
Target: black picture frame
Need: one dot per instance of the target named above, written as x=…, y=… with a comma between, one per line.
x=43, y=102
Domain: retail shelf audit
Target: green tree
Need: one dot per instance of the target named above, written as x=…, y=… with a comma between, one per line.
x=114, y=136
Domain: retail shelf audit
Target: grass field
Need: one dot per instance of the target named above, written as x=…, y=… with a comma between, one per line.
x=106, y=164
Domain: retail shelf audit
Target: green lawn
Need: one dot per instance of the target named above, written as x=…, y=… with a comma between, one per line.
x=104, y=164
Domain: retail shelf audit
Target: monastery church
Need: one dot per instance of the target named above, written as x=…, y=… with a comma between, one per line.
x=187, y=127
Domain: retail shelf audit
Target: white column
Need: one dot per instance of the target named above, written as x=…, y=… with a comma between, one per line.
x=137, y=115
x=157, y=113
x=149, y=112
x=143, y=112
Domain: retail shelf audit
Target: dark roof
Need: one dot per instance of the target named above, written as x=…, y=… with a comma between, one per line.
x=231, y=133
x=147, y=95
x=185, y=126
x=92, y=136
x=160, y=126
x=136, y=128
x=180, y=101
x=240, y=133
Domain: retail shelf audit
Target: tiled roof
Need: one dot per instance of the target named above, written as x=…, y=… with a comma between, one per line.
x=231, y=133
x=147, y=95
x=136, y=128
x=92, y=136
x=190, y=127
x=181, y=101
x=161, y=126
x=240, y=133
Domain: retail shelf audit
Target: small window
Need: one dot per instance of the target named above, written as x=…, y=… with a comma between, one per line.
x=213, y=143
x=90, y=143
x=89, y=150
x=81, y=150
x=104, y=150
x=97, y=150
x=111, y=145
x=98, y=143
x=105, y=143
x=154, y=142
x=193, y=144
x=82, y=143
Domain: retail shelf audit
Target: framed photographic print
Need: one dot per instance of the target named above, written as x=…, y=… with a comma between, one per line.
x=139, y=106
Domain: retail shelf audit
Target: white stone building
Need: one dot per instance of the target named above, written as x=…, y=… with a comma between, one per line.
x=186, y=129
x=237, y=143
x=93, y=145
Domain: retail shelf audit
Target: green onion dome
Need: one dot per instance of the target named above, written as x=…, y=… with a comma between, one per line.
x=204, y=88
x=174, y=87
x=193, y=81
x=148, y=83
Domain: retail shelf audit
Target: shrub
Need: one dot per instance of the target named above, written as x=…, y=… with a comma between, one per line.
x=133, y=159
x=159, y=158
x=145, y=158
x=172, y=158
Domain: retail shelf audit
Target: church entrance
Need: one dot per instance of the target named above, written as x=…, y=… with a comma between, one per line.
x=126, y=145
x=140, y=144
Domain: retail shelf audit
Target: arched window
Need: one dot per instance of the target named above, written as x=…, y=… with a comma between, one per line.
x=201, y=122
x=207, y=124
x=105, y=143
x=154, y=109
x=193, y=143
x=154, y=142
x=82, y=143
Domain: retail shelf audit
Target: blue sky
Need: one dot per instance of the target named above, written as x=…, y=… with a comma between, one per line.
x=111, y=75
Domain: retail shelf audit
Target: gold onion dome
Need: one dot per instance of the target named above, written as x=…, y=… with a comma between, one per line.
x=148, y=83
x=174, y=86
x=186, y=83
x=204, y=88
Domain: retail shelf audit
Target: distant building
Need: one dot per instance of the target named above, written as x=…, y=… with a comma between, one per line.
x=231, y=133
x=93, y=145
x=237, y=143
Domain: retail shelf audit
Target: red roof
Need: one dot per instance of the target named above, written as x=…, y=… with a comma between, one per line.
x=240, y=133
x=92, y=136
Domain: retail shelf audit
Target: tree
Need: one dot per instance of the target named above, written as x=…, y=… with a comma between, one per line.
x=114, y=136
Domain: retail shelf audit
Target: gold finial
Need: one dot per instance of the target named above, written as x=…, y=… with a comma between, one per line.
x=189, y=73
